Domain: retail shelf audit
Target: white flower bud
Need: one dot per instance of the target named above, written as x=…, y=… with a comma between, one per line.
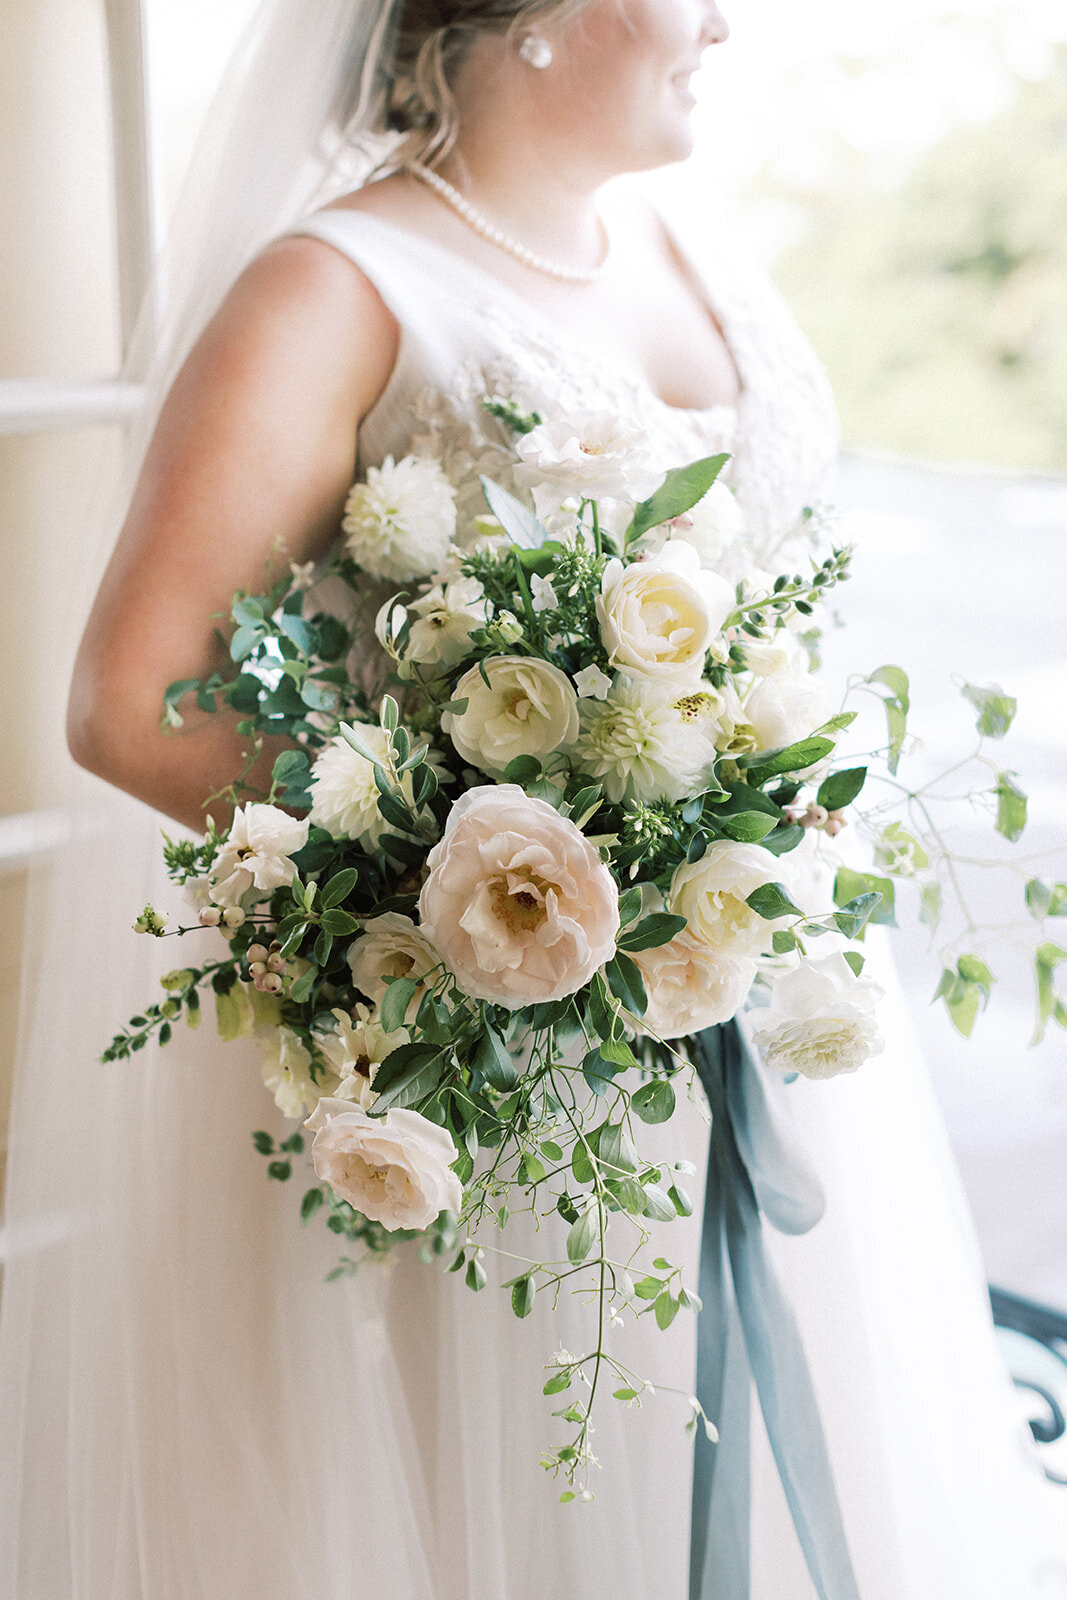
x=233, y=917
x=271, y=984
x=277, y=964
x=258, y=969
x=257, y=952
x=209, y=916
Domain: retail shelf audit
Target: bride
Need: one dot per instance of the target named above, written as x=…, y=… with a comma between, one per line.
x=187, y=1409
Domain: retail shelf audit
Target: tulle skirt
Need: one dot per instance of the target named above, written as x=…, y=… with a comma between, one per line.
x=189, y=1411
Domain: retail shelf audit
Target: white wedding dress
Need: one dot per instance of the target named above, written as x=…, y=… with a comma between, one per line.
x=224, y=1425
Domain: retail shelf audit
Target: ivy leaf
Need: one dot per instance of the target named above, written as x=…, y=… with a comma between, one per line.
x=1011, y=807
x=996, y=710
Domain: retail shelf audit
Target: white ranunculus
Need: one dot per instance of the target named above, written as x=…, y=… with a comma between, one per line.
x=257, y=853
x=690, y=986
x=395, y=1169
x=442, y=621
x=344, y=795
x=528, y=708
x=821, y=1020
x=636, y=743
x=399, y=523
x=355, y=1050
x=391, y=946
x=711, y=894
x=594, y=454
x=785, y=707
x=286, y=1069
x=518, y=902
x=658, y=617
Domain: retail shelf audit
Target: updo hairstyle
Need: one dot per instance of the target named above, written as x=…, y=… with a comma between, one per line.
x=432, y=40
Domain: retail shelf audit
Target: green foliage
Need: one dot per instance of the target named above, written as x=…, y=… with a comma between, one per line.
x=996, y=710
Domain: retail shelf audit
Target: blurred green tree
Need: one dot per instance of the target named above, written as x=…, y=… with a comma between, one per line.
x=940, y=306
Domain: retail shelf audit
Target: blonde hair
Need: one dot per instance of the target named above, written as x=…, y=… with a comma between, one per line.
x=433, y=38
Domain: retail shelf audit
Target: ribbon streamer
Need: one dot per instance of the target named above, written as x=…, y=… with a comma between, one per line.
x=747, y=1333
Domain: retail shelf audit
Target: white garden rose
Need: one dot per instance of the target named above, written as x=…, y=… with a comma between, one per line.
x=286, y=1070
x=690, y=986
x=594, y=454
x=395, y=1169
x=658, y=617
x=442, y=621
x=821, y=1020
x=638, y=745
x=344, y=795
x=711, y=894
x=518, y=902
x=355, y=1050
x=785, y=707
x=528, y=708
x=391, y=946
x=399, y=522
x=257, y=854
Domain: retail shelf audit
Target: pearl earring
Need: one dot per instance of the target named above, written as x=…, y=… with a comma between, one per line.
x=536, y=51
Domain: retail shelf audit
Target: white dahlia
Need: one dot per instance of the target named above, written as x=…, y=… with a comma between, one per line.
x=344, y=795
x=638, y=745
x=400, y=521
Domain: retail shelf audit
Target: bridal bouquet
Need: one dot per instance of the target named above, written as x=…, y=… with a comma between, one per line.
x=482, y=908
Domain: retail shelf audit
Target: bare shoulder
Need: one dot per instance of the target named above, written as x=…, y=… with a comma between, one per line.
x=302, y=304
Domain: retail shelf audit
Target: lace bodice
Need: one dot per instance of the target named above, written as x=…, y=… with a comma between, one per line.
x=465, y=336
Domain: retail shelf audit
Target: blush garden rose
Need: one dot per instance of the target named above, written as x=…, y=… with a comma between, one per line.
x=518, y=902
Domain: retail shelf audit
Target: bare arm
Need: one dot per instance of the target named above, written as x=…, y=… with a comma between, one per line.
x=253, y=454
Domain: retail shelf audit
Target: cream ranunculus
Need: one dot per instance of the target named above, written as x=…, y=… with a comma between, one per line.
x=659, y=617
x=529, y=708
x=711, y=894
x=639, y=746
x=518, y=902
x=821, y=1020
x=391, y=946
x=257, y=853
x=690, y=986
x=286, y=1070
x=592, y=454
x=399, y=523
x=344, y=795
x=355, y=1050
x=395, y=1169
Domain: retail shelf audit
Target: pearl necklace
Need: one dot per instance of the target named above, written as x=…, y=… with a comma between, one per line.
x=481, y=224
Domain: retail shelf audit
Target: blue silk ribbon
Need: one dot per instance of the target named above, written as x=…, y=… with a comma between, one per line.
x=747, y=1333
